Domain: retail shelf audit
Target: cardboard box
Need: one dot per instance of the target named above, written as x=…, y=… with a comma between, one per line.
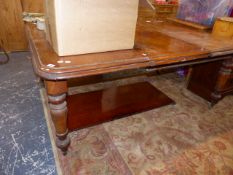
x=223, y=27
x=89, y=26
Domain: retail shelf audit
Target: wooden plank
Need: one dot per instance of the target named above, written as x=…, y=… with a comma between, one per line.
x=35, y=6
x=92, y=108
x=12, y=27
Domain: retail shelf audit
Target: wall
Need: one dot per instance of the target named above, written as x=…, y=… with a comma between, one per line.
x=12, y=34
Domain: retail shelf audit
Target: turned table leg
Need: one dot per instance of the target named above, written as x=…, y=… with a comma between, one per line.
x=223, y=77
x=57, y=91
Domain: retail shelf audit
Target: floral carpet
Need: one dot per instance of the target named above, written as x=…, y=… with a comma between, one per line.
x=187, y=138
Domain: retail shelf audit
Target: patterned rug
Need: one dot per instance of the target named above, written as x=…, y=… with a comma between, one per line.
x=183, y=139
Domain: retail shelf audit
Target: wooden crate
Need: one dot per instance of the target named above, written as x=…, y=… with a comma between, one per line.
x=80, y=27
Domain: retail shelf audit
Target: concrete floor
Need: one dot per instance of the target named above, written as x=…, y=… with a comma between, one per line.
x=25, y=147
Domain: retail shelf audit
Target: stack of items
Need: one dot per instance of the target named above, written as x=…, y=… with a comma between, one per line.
x=204, y=11
x=165, y=8
x=166, y=1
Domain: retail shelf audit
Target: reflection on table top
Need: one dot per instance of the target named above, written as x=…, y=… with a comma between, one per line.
x=157, y=43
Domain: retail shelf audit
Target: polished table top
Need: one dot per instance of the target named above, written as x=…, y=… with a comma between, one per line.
x=157, y=43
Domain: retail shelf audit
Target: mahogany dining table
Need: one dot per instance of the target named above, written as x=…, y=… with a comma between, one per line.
x=159, y=44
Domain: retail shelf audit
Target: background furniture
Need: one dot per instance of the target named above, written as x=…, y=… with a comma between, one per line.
x=212, y=81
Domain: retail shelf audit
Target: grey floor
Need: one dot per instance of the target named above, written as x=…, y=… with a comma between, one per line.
x=25, y=147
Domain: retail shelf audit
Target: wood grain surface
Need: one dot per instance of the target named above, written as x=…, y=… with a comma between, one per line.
x=12, y=32
x=191, y=24
x=151, y=48
x=35, y=6
x=158, y=43
x=91, y=108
